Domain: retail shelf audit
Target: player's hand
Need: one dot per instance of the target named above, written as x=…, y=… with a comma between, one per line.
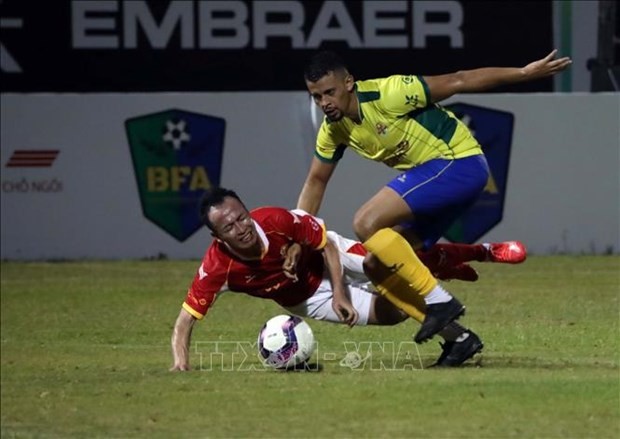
x=345, y=310
x=179, y=368
x=546, y=66
x=291, y=257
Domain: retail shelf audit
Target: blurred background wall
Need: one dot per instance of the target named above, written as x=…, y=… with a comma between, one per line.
x=117, y=115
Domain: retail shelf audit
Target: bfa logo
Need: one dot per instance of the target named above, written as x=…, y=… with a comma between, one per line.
x=176, y=155
x=493, y=130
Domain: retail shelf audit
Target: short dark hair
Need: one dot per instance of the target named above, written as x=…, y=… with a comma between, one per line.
x=214, y=197
x=321, y=64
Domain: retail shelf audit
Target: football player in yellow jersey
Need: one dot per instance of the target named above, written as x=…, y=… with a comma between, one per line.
x=397, y=121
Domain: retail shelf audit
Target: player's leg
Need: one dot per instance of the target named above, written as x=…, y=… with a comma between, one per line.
x=397, y=289
x=387, y=309
x=409, y=284
x=507, y=252
x=446, y=261
x=375, y=309
x=432, y=196
x=460, y=344
x=450, y=195
x=382, y=312
x=441, y=189
x=456, y=352
x=363, y=297
x=319, y=305
x=372, y=308
x=449, y=260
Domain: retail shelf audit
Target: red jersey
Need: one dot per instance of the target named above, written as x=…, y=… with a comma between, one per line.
x=277, y=228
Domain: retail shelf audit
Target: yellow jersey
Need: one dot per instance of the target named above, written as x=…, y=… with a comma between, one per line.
x=400, y=126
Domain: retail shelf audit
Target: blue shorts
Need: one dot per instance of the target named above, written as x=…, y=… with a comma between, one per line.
x=439, y=191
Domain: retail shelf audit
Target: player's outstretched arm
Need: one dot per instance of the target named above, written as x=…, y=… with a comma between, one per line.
x=312, y=193
x=476, y=80
x=341, y=303
x=181, y=336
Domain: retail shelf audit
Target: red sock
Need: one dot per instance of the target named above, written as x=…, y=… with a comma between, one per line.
x=442, y=255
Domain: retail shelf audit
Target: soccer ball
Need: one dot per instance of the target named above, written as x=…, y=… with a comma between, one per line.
x=285, y=341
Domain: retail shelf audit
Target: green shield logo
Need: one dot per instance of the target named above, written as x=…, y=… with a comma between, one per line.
x=177, y=155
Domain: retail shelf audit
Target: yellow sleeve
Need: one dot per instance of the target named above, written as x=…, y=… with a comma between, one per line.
x=401, y=94
x=329, y=148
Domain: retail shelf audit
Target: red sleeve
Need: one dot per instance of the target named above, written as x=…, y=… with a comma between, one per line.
x=308, y=230
x=208, y=281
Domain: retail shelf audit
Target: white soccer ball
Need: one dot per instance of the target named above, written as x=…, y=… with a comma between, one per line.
x=285, y=341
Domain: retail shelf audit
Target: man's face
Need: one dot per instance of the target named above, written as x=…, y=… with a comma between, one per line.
x=233, y=225
x=332, y=94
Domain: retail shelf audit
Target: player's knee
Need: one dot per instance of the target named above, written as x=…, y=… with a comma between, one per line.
x=364, y=225
x=374, y=269
x=386, y=313
x=371, y=266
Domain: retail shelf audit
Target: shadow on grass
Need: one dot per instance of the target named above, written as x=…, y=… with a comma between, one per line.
x=478, y=361
x=303, y=367
x=522, y=362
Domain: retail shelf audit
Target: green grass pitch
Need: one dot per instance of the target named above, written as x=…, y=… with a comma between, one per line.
x=85, y=353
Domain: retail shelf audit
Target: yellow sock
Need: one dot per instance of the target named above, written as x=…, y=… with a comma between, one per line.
x=395, y=253
x=399, y=293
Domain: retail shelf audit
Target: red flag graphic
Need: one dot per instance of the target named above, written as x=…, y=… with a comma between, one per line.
x=32, y=158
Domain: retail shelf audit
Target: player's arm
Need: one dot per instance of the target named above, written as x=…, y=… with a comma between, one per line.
x=291, y=258
x=313, y=190
x=476, y=80
x=341, y=303
x=181, y=335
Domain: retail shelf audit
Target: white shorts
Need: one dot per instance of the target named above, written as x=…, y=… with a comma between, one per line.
x=319, y=306
x=360, y=290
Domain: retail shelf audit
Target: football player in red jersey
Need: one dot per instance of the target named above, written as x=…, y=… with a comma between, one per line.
x=289, y=257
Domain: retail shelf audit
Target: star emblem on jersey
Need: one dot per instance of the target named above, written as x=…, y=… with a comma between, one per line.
x=381, y=129
x=176, y=134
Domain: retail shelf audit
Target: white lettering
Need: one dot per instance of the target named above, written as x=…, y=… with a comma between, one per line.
x=322, y=32
x=263, y=29
x=451, y=29
x=82, y=25
x=210, y=24
x=233, y=24
x=178, y=12
x=374, y=23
